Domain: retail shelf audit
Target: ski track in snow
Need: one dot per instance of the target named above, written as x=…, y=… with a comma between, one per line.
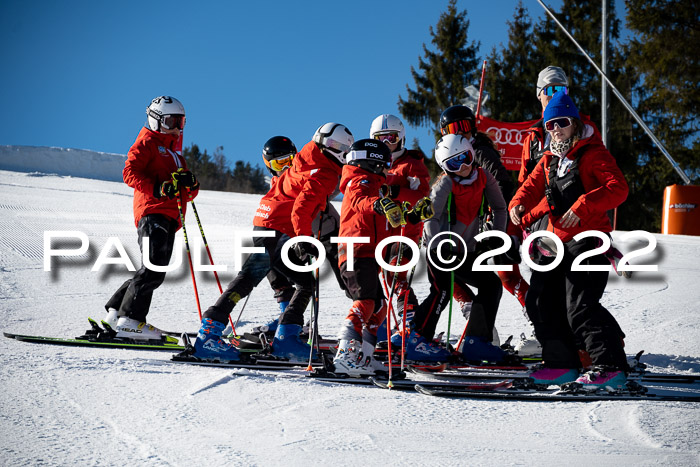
x=84, y=406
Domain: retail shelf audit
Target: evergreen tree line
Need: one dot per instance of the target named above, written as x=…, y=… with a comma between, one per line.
x=655, y=69
x=214, y=173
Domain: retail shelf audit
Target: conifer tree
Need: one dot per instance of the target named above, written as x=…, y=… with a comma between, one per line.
x=442, y=74
x=511, y=74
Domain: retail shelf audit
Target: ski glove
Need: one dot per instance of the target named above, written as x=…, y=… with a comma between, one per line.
x=303, y=250
x=423, y=210
x=392, y=191
x=393, y=213
x=168, y=188
x=185, y=178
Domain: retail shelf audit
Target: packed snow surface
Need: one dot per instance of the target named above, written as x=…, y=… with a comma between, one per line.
x=90, y=406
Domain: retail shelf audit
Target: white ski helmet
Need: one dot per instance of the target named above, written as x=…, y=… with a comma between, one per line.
x=165, y=112
x=453, y=147
x=334, y=140
x=387, y=124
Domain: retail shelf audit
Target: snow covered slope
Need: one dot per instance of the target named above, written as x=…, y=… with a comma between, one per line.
x=77, y=406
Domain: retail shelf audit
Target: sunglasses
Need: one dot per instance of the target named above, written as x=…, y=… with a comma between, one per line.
x=561, y=122
x=461, y=126
x=170, y=122
x=550, y=90
x=455, y=163
x=280, y=163
x=391, y=138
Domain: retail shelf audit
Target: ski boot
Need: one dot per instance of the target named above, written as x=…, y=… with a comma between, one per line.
x=347, y=359
x=600, y=377
x=419, y=349
x=128, y=328
x=477, y=349
x=209, y=345
x=287, y=344
x=557, y=376
x=528, y=346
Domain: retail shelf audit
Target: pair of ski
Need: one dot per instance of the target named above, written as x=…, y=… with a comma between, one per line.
x=523, y=388
x=102, y=335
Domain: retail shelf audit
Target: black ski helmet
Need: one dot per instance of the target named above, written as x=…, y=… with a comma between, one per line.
x=370, y=154
x=278, y=153
x=456, y=115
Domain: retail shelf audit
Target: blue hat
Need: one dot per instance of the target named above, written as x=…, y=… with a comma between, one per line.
x=561, y=105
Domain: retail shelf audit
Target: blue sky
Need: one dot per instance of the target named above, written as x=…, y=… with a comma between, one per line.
x=80, y=74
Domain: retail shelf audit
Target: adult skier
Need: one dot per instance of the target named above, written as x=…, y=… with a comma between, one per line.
x=158, y=174
x=581, y=181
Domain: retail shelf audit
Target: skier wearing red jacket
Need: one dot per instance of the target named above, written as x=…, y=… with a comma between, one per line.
x=407, y=181
x=366, y=213
x=581, y=181
x=295, y=198
x=158, y=174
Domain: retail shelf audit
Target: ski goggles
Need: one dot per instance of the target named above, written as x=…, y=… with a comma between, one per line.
x=391, y=138
x=561, y=122
x=550, y=90
x=280, y=163
x=461, y=126
x=453, y=164
x=170, y=122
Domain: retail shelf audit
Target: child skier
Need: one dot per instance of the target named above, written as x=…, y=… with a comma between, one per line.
x=456, y=197
x=287, y=210
x=366, y=213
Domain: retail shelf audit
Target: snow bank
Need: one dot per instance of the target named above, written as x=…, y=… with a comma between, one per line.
x=60, y=161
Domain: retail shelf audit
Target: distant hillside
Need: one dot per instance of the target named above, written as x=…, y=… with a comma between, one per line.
x=60, y=161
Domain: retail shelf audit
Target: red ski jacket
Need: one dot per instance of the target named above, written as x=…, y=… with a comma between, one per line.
x=151, y=161
x=300, y=193
x=604, y=188
x=410, y=164
x=361, y=189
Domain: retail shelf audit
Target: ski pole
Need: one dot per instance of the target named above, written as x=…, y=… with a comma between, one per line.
x=189, y=256
x=452, y=273
x=390, y=309
x=313, y=329
x=405, y=300
x=211, y=260
x=464, y=333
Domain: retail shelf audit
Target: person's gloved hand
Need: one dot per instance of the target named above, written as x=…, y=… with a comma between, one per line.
x=167, y=188
x=185, y=178
x=423, y=210
x=303, y=250
x=386, y=207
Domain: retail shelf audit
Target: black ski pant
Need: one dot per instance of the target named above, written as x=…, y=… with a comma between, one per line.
x=484, y=305
x=255, y=269
x=133, y=298
x=565, y=309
